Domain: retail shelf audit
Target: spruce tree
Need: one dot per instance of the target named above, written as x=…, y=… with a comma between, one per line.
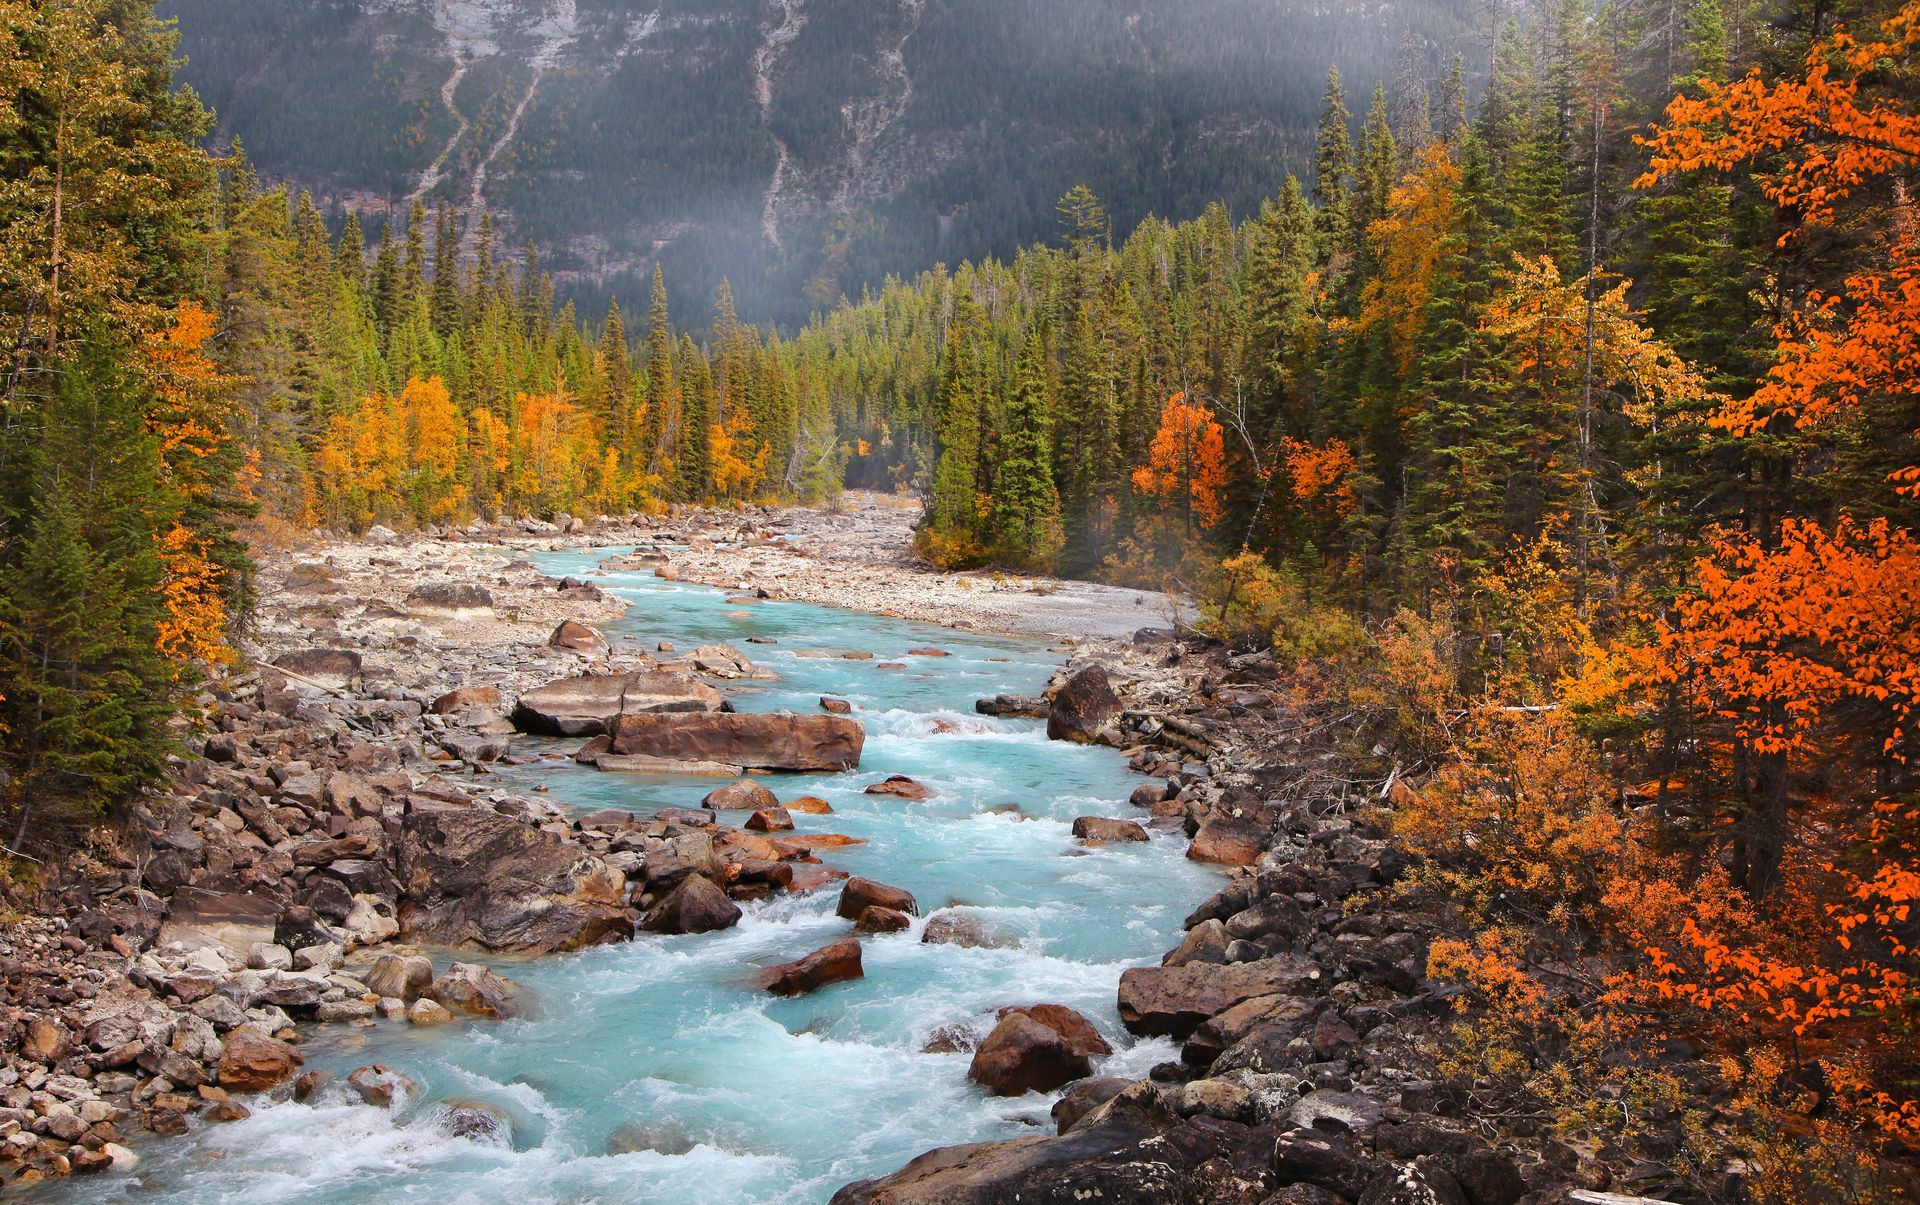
x=1026, y=506
x=661, y=393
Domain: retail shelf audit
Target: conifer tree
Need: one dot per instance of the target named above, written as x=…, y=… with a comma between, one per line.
x=1026, y=506
x=658, y=417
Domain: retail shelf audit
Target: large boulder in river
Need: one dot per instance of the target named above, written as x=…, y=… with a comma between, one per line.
x=586, y=705
x=744, y=795
x=400, y=976
x=1177, y=1000
x=836, y=963
x=1083, y=708
x=760, y=740
x=475, y=877
x=469, y=988
x=1021, y=1055
x=722, y=661
x=695, y=906
x=1099, y=829
x=1072, y=1026
x=861, y=894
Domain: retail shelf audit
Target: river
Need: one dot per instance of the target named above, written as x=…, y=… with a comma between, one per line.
x=664, y=1041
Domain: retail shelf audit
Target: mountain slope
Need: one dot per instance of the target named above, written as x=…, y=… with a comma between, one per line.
x=803, y=147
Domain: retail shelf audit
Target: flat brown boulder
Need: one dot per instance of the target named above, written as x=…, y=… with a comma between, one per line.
x=900, y=786
x=1021, y=1055
x=1234, y=834
x=766, y=740
x=471, y=876
x=834, y=706
x=470, y=988
x=746, y=795
x=455, y=701
x=1098, y=828
x=810, y=805
x=836, y=963
x=1083, y=708
x=722, y=661
x=1073, y=1027
x=577, y=637
x=1178, y=1000
x=860, y=894
x=695, y=906
x=1023, y=706
x=770, y=820
x=252, y=1063
x=587, y=704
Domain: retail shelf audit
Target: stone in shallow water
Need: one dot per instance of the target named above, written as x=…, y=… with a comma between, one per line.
x=1022, y=1055
x=860, y=894
x=836, y=963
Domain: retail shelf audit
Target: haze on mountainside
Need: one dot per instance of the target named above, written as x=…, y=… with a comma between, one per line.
x=802, y=148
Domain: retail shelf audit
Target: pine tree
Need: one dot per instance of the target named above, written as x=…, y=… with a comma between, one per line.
x=1026, y=506
x=1333, y=165
x=662, y=395
x=694, y=461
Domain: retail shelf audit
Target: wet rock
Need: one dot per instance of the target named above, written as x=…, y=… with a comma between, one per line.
x=428, y=1012
x=403, y=977
x=381, y=1086
x=1073, y=1028
x=1082, y=1098
x=1083, y=708
x=252, y=1063
x=472, y=875
x=1205, y=942
x=469, y=988
x=882, y=920
x=769, y=740
x=588, y=704
x=810, y=805
x=770, y=820
x=1101, y=830
x=1177, y=1000
x=833, y=706
x=477, y=1121
x=746, y=795
x=722, y=661
x=695, y=906
x=835, y=963
x=1023, y=706
x=1021, y=1055
x=860, y=894
x=957, y=927
x=633, y=1137
x=901, y=787
x=578, y=638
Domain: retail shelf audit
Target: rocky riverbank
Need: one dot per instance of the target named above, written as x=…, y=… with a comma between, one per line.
x=338, y=828
x=1310, y=1032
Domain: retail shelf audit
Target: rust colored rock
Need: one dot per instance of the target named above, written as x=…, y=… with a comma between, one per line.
x=772, y=741
x=882, y=920
x=746, y=795
x=1233, y=835
x=1021, y=1055
x=577, y=637
x=836, y=963
x=833, y=706
x=901, y=786
x=770, y=820
x=251, y=1063
x=860, y=894
x=469, y=988
x=810, y=805
x=1074, y=1029
x=467, y=696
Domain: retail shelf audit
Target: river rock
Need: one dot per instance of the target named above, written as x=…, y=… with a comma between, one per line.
x=1101, y=830
x=403, y=977
x=470, y=988
x=234, y=921
x=957, y=927
x=250, y=1062
x=745, y=795
x=1234, y=834
x=578, y=638
x=769, y=740
x=587, y=704
x=770, y=820
x=380, y=1085
x=472, y=875
x=902, y=787
x=836, y=963
x=860, y=894
x=695, y=906
x=451, y=600
x=722, y=661
x=1023, y=706
x=1073, y=1027
x=428, y=1012
x=882, y=920
x=1083, y=708
x=1021, y=1055
x=1177, y=1000
x=1082, y=1098
x=810, y=805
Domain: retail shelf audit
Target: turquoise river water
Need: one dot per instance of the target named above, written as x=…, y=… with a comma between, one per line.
x=764, y=1099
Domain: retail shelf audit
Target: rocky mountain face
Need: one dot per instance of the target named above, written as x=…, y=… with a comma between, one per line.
x=802, y=147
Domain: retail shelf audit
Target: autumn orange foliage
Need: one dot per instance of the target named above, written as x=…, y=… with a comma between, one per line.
x=1187, y=462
